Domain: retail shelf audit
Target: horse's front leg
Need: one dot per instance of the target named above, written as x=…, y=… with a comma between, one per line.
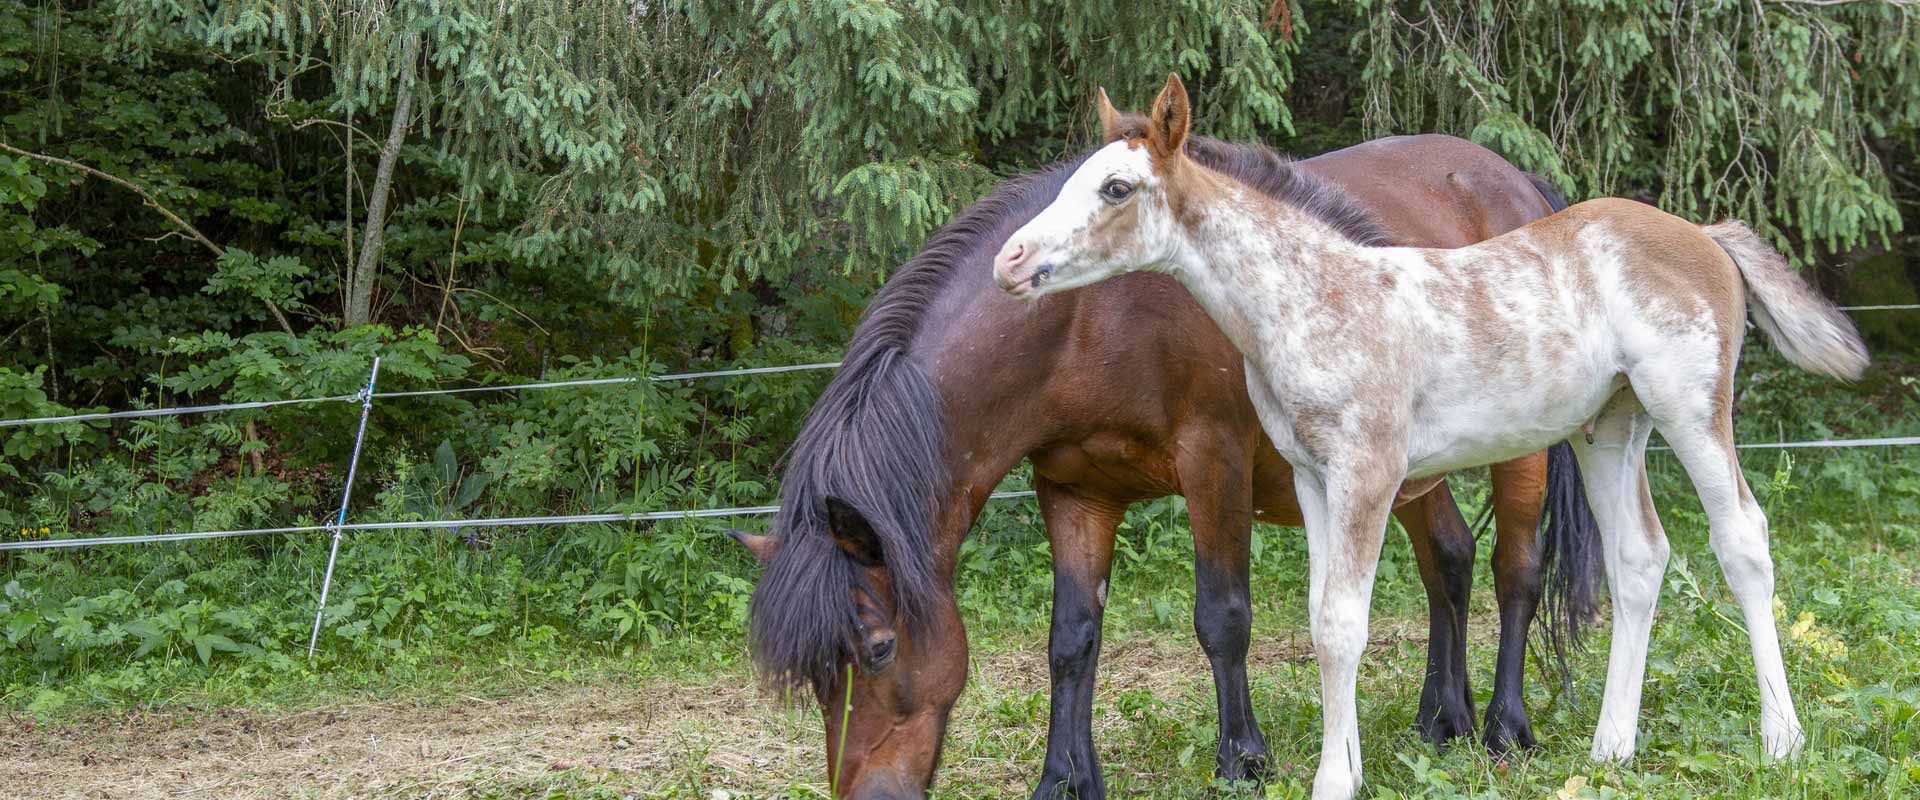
x=1346, y=509
x=1080, y=530
x=1216, y=475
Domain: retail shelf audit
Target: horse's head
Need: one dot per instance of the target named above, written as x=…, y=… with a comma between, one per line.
x=885, y=683
x=1119, y=212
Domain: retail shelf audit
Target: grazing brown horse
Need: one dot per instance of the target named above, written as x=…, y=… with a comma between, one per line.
x=1121, y=393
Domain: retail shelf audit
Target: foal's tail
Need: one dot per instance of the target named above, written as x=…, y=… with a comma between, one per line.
x=1806, y=328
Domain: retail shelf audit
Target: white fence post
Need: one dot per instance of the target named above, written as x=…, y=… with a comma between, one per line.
x=346, y=493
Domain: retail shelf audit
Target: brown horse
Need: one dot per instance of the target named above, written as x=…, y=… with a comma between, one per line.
x=912, y=434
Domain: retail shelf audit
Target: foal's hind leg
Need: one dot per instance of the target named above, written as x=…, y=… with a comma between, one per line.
x=1613, y=467
x=1080, y=530
x=1739, y=539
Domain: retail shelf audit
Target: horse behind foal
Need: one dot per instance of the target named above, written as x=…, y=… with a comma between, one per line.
x=1371, y=366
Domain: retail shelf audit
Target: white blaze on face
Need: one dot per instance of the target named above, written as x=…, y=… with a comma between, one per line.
x=1069, y=244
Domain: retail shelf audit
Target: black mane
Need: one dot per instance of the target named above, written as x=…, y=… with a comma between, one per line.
x=876, y=437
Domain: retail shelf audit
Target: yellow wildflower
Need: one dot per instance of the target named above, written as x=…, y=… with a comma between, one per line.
x=1817, y=640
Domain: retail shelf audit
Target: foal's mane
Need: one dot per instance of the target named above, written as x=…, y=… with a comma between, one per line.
x=1274, y=175
x=876, y=437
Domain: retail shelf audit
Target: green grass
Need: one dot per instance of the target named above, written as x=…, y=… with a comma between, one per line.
x=1849, y=588
x=1849, y=591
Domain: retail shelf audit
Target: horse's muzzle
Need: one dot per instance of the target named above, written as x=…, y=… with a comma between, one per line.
x=1015, y=269
x=885, y=789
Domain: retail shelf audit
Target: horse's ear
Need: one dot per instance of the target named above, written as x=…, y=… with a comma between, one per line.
x=762, y=547
x=1111, y=126
x=851, y=531
x=1167, y=129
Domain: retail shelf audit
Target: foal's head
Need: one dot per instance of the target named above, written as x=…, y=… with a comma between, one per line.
x=1120, y=211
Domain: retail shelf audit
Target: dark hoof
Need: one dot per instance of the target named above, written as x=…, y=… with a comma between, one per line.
x=1255, y=767
x=1446, y=726
x=1063, y=787
x=1508, y=733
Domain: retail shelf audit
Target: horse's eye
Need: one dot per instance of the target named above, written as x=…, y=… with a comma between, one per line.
x=879, y=652
x=1116, y=190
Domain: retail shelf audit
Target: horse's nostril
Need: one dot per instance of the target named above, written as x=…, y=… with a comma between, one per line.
x=1013, y=257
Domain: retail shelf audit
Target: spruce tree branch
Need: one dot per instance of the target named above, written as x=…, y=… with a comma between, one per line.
x=153, y=202
x=185, y=227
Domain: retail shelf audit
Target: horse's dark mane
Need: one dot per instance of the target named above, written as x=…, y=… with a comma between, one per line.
x=876, y=437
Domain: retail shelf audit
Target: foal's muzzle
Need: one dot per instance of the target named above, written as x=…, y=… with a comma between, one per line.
x=1017, y=270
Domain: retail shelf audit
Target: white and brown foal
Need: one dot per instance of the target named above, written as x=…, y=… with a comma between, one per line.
x=1375, y=366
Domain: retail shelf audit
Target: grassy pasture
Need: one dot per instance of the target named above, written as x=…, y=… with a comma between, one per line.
x=515, y=670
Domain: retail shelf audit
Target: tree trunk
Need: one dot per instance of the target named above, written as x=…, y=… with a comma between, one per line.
x=360, y=281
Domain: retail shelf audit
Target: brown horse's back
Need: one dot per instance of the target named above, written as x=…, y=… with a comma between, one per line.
x=1434, y=191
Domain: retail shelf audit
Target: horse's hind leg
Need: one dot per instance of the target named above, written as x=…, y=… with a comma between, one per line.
x=1739, y=539
x=1217, y=482
x=1444, y=547
x=1613, y=466
x=1081, y=531
x=1519, y=494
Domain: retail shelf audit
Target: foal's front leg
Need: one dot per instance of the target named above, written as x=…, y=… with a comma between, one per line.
x=1346, y=511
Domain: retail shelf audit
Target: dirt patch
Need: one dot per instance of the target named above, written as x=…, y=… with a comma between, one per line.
x=404, y=749
x=652, y=736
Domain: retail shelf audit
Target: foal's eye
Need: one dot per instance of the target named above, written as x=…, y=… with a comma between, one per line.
x=1116, y=190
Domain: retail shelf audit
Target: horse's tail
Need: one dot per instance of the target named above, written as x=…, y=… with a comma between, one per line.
x=1570, y=536
x=1569, y=556
x=1547, y=190
x=1807, y=329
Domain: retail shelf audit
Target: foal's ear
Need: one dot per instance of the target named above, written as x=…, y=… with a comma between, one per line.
x=1112, y=127
x=762, y=547
x=851, y=531
x=1167, y=129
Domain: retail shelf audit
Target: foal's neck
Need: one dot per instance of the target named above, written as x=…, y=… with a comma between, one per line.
x=1260, y=266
